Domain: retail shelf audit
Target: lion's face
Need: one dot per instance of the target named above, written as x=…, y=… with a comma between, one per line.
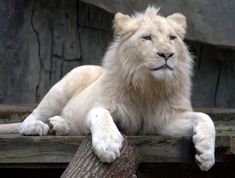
x=153, y=42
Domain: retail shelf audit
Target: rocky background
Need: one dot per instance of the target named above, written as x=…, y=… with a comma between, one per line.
x=41, y=40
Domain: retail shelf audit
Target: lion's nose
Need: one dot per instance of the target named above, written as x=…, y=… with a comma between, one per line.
x=166, y=54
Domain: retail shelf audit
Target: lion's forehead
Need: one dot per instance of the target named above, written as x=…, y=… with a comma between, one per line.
x=155, y=25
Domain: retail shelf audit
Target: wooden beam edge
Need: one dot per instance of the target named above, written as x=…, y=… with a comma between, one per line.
x=16, y=149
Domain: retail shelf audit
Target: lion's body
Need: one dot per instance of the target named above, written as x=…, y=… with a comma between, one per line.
x=144, y=87
x=136, y=112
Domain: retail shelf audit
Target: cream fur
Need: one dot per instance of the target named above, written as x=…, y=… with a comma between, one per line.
x=130, y=91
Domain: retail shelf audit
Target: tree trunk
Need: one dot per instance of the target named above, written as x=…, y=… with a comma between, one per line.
x=85, y=164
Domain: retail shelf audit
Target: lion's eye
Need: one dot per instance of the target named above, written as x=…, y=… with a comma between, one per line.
x=147, y=37
x=172, y=37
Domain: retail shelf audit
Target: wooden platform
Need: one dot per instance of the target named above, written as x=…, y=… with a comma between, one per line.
x=54, y=152
x=51, y=150
x=14, y=113
x=16, y=150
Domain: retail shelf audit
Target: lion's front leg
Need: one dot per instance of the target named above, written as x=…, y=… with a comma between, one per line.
x=204, y=140
x=54, y=101
x=106, y=138
x=201, y=127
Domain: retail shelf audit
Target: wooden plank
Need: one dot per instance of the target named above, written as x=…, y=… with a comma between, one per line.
x=28, y=107
x=10, y=113
x=224, y=114
x=225, y=127
x=27, y=149
x=15, y=113
x=216, y=110
x=8, y=109
x=16, y=149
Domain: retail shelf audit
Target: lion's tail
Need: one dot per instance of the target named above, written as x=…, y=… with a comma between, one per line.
x=10, y=128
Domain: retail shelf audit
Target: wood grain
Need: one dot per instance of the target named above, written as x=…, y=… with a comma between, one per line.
x=60, y=149
x=85, y=163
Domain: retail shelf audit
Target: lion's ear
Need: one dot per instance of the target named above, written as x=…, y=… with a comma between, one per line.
x=178, y=21
x=123, y=24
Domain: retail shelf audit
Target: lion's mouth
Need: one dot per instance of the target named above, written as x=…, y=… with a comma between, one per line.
x=165, y=66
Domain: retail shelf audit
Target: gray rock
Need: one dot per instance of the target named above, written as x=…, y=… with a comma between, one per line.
x=209, y=21
x=40, y=41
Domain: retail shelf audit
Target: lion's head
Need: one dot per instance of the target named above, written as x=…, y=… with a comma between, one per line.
x=148, y=44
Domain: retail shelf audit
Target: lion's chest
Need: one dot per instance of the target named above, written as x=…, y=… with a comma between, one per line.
x=146, y=118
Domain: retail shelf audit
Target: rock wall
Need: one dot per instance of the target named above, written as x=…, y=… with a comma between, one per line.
x=209, y=21
x=41, y=40
x=214, y=76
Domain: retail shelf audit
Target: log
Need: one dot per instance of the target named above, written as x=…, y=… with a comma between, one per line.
x=85, y=164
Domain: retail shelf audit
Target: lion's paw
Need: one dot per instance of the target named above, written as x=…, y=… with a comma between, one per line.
x=33, y=127
x=205, y=160
x=107, y=146
x=205, y=151
x=59, y=125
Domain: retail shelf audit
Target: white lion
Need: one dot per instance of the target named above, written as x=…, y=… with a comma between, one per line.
x=143, y=87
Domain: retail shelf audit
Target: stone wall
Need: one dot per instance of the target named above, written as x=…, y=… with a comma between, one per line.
x=214, y=76
x=209, y=21
x=41, y=40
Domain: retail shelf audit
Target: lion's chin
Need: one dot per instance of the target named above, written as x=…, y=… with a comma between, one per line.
x=163, y=74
